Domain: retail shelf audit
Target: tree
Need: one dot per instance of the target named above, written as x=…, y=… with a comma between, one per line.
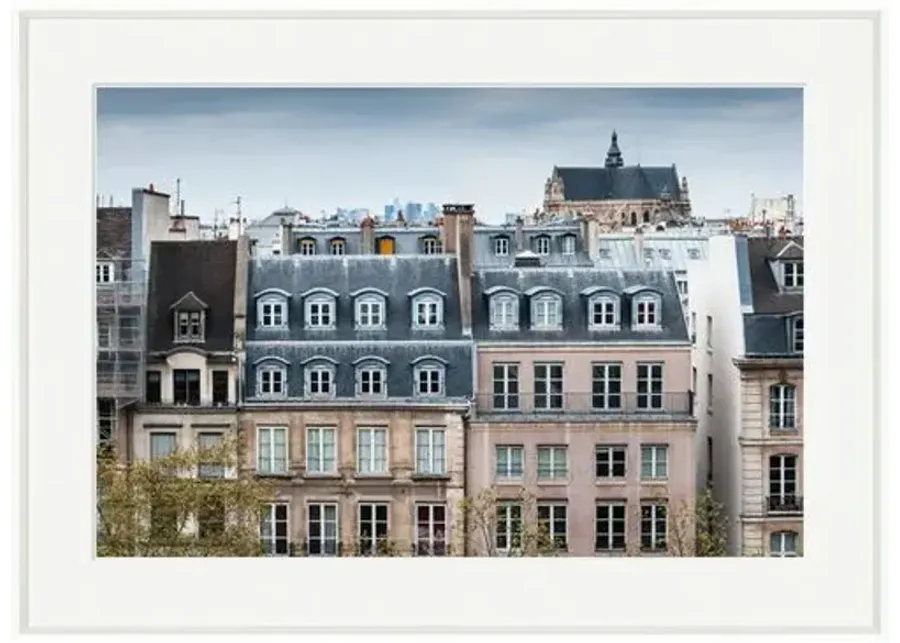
x=521, y=535
x=699, y=528
x=179, y=505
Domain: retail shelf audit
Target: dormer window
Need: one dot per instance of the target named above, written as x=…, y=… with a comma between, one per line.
x=646, y=312
x=568, y=245
x=542, y=245
x=546, y=312
x=504, y=312
x=603, y=312
x=320, y=309
x=427, y=309
x=501, y=246
x=370, y=313
x=797, y=334
x=190, y=318
x=431, y=246
x=307, y=246
x=271, y=377
x=428, y=376
x=337, y=247
x=319, y=377
x=693, y=253
x=371, y=377
x=272, y=309
x=106, y=272
x=793, y=274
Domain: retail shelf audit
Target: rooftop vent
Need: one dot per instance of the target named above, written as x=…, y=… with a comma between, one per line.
x=527, y=259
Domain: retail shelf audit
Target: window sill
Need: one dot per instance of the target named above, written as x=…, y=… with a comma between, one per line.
x=369, y=329
x=509, y=482
x=373, y=476
x=431, y=328
x=659, y=482
x=553, y=482
x=430, y=476
x=262, y=327
x=325, y=475
x=605, y=329
x=612, y=553
x=281, y=474
x=611, y=482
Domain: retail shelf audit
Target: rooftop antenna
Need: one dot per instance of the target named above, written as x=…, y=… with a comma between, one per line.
x=177, y=194
x=237, y=202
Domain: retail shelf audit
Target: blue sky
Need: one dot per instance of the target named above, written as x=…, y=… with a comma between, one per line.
x=317, y=149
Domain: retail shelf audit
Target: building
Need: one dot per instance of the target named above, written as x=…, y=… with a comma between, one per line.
x=748, y=300
x=618, y=195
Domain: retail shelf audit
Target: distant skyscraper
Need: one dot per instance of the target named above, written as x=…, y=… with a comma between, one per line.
x=430, y=213
x=390, y=212
x=413, y=212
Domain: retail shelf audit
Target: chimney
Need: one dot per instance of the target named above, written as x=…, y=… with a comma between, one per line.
x=367, y=232
x=181, y=208
x=639, y=245
x=287, y=236
x=459, y=237
x=449, y=225
x=520, y=234
x=590, y=234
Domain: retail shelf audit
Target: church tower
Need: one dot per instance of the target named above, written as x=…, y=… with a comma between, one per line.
x=614, y=155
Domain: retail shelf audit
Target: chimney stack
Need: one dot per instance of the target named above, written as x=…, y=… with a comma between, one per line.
x=520, y=234
x=367, y=232
x=459, y=238
x=287, y=235
x=639, y=245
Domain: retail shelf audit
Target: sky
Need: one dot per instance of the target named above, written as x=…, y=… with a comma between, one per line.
x=317, y=149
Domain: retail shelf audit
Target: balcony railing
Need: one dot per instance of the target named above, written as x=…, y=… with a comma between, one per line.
x=193, y=403
x=787, y=504
x=599, y=406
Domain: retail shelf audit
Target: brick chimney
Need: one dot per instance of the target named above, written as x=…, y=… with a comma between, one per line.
x=287, y=236
x=459, y=239
x=367, y=231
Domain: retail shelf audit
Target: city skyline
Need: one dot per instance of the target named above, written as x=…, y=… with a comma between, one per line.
x=322, y=149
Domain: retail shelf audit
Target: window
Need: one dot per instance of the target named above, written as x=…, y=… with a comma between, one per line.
x=654, y=462
x=186, y=384
x=208, y=445
x=273, y=529
x=220, y=387
x=371, y=380
x=501, y=246
x=709, y=460
x=693, y=253
x=271, y=451
x=322, y=529
x=188, y=326
x=548, y=386
x=782, y=407
x=649, y=386
x=431, y=246
x=428, y=312
x=553, y=463
x=553, y=517
x=542, y=245
x=372, y=528
x=370, y=313
x=797, y=335
x=682, y=284
x=793, y=274
x=783, y=483
x=709, y=393
x=272, y=314
x=371, y=451
x=320, y=313
x=211, y=519
x=568, y=245
x=504, y=312
x=270, y=380
x=429, y=381
x=106, y=418
x=709, y=329
x=153, y=394
x=602, y=313
x=320, y=450
x=508, y=536
x=645, y=217
x=654, y=527
x=510, y=462
x=105, y=272
x=506, y=386
x=611, y=461
x=693, y=328
x=338, y=247
x=385, y=246
x=610, y=526
x=646, y=312
x=307, y=247
x=431, y=530
x=104, y=333
x=430, y=452
x=606, y=386
x=320, y=381
x=783, y=544
x=162, y=445
x=546, y=313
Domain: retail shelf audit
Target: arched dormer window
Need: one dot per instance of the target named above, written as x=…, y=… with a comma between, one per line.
x=646, y=216
x=427, y=309
x=796, y=334
x=429, y=375
x=272, y=308
x=431, y=245
x=370, y=309
x=306, y=246
x=503, y=304
x=634, y=219
x=602, y=308
x=782, y=407
x=567, y=243
x=541, y=244
x=546, y=305
x=501, y=245
x=319, y=377
x=337, y=246
x=371, y=376
x=271, y=377
x=386, y=245
x=646, y=308
x=319, y=305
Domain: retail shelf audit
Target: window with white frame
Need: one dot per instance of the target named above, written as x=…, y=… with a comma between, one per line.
x=272, y=313
x=428, y=311
x=371, y=451
x=370, y=313
x=307, y=247
x=320, y=381
x=162, y=444
x=654, y=462
x=553, y=463
x=106, y=272
x=271, y=450
x=783, y=544
x=568, y=245
x=338, y=247
x=322, y=529
x=649, y=387
x=371, y=380
x=189, y=326
x=431, y=246
x=646, y=312
x=274, y=529
x=793, y=274
x=654, y=526
x=548, y=386
x=372, y=528
x=609, y=526
x=320, y=312
x=783, y=407
x=431, y=530
x=603, y=313
x=501, y=246
x=546, y=312
x=508, y=530
x=504, y=312
x=506, y=386
x=542, y=245
x=510, y=461
x=431, y=452
x=783, y=482
x=211, y=465
x=682, y=284
x=797, y=334
x=553, y=518
x=429, y=380
x=271, y=380
x=320, y=450
x=606, y=386
x=610, y=461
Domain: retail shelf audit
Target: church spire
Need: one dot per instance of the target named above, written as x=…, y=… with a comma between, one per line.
x=614, y=155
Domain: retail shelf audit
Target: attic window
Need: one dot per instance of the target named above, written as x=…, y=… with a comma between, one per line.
x=307, y=247
x=797, y=334
x=320, y=312
x=338, y=247
x=428, y=311
x=542, y=245
x=501, y=246
x=189, y=326
x=603, y=313
x=504, y=312
x=793, y=274
x=646, y=312
x=693, y=253
x=546, y=312
x=568, y=245
x=431, y=246
x=106, y=272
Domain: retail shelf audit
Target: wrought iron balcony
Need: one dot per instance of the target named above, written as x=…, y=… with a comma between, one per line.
x=786, y=504
x=537, y=406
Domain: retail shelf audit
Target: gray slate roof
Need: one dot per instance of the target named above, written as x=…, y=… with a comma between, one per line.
x=630, y=182
x=766, y=295
x=114, y=233
x=485, y=255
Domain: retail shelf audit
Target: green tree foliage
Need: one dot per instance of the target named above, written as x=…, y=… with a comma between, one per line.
x=481, y=513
